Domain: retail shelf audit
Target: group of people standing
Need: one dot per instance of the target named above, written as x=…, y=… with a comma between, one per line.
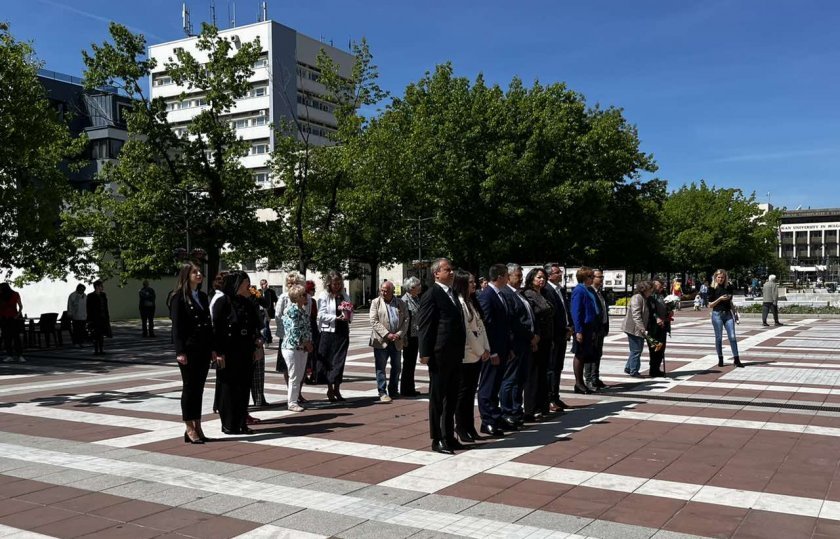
x=506, y=345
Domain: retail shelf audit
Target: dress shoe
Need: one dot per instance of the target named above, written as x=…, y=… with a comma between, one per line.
x=205, y=438
x=455, y=445
x=331, y=395
x=510, y=423
x=247, y=430
x=226, y=430
x=465, y=436
x=599, y=384
x=492, y=430
x=530, y=418
x=765, y=324
x=439, y=446
x=474, y=434
x=189, y=440
x=553, y=408
x=582, y=390
x=778, y=324
x=338, y=396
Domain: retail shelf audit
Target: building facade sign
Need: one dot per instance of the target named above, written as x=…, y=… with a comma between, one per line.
x=801, y=227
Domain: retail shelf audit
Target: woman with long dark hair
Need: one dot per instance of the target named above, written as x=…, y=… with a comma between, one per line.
x=335, y=333
x=477, y=349
x=536, y=379
x=239, y=343
x=192, y=333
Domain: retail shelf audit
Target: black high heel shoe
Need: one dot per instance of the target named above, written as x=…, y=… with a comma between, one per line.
x=189, y=440
x=584, y=391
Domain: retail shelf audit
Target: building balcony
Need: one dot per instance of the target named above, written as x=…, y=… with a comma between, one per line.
x=255, y=161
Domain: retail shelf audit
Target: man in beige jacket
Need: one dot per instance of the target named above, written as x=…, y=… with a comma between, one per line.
x=389, y=325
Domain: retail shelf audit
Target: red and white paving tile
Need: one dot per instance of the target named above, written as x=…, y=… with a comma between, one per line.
x=94, y=448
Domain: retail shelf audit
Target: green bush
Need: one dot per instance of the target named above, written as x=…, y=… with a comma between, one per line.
x=793, y=309
x=622, y=302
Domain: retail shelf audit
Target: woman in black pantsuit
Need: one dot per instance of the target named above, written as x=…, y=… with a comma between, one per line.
x=536, y=380
x=192, y=333
x=237, y=330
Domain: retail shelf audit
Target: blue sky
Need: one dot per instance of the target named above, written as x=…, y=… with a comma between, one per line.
x=739, y=93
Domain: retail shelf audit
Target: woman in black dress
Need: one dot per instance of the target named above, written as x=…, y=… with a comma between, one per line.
x=98, y=317
x=239, y=343
x=192, y=333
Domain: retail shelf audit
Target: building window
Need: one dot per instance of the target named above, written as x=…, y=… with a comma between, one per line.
x=162, y=81
x=261, y=177
x=259, y=149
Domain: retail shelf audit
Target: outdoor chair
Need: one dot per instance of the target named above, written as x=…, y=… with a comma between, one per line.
x=48, y=327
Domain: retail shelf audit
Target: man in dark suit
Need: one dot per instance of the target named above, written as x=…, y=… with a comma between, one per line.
x=442, y=339
x=496, y=321
x=562, y=334
x=592, y=371
x=524, y=343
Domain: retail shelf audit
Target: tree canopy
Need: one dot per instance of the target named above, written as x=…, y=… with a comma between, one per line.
x=36, y=152
x=170, y=186
x=705, y=227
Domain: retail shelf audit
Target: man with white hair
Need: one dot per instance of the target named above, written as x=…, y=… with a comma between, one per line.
x=770, y=299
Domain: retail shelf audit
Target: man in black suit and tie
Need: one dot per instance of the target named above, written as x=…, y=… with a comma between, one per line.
x=442, y=339
x=562, y=333
x=496, y=321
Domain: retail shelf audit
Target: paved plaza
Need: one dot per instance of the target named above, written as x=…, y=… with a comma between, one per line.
x=95, y=449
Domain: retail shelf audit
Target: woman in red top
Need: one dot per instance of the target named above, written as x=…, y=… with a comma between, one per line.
x=11, y=310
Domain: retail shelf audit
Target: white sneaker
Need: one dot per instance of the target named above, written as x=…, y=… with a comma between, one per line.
x=21, y=359
x=384, y=398
x=295, y=407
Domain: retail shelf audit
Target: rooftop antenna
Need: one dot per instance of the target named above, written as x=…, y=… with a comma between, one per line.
x=185, y=19
x=213, y=11
x=264, y=10
x=232, y=14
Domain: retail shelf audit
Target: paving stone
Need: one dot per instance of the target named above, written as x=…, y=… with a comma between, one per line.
x=496, y=511
x=135, y=489
x=99, y=483
x=65, y=477
x=32, y=471
x=263, y=512
x=555, y=521
x=336, y=486
x=613, y=530
x=292, y=479
x=254, y=474
x=377, y=530
x=392, y=495
x=439, y=502
x=314, y=521
x=665, y=534
x=218, y=504
x=174, y=496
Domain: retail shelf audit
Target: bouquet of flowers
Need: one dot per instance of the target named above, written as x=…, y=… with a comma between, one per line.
x=346, y=309
x=653, y=343
x=671, y=301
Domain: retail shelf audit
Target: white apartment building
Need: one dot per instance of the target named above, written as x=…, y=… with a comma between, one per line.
x=284, y=87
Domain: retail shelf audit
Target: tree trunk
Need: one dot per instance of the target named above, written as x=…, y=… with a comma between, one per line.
x=213, y=263
x=374, y=279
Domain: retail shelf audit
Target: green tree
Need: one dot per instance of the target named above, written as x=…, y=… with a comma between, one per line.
x=35, y=152
x=704, y=228
x=526, y=174
x=169, y=188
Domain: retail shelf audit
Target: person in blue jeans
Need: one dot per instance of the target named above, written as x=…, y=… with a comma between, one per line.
x=389, y=325
x=635, y=326
x=720, y=300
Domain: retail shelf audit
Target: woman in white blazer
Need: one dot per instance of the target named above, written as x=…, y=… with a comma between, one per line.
x=335, y=333
x=477, y=349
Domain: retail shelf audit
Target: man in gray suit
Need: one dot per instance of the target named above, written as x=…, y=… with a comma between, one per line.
x=770, y=301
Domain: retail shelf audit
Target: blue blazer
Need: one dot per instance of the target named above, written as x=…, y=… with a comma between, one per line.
x=496, y=323
x=583, y=309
